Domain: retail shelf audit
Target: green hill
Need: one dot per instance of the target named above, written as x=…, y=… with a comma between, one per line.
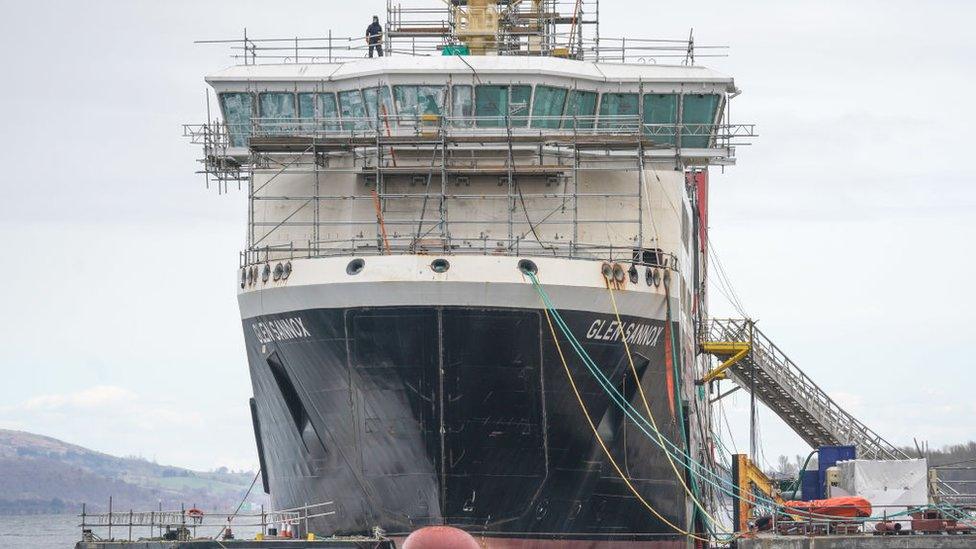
x=40, y=474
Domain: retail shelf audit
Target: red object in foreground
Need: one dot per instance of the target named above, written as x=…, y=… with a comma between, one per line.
x=848, y=507
x=440, y=537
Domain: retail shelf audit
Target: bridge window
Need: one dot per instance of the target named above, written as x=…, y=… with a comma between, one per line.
x=581, y=104
x=660, y=115
x=318, y=111
x=495, y=104
x=462, y=105
x=415, y=101
x=697, y=116
x=353, y=110
x=618, y=111
x=379, y=106
x=277, y=108
x=238, y=108
x=547, y=109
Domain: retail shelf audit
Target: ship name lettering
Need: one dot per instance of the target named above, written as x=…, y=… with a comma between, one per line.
x=632, y=332
x=280, y=330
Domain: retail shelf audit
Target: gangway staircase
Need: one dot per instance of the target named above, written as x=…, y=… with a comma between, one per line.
x=755, y=363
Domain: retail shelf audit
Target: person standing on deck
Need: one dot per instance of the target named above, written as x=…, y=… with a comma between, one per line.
x=374, y=37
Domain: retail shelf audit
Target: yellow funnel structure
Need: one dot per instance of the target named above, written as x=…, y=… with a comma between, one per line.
x=478, y=26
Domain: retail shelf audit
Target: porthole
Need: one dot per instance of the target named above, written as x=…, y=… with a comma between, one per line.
x=243, y=278
x=649, y=276
x=632, y=272
x=278, y=271
x=440, y=265
x=249, y=275
x=287, y=271
x=254, y=274
x=607, y=271
x=527, y=266
x=657, y=278
x=355, y=267
x=266, y=272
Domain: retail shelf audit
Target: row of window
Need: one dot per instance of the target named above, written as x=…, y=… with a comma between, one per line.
x=488, y=106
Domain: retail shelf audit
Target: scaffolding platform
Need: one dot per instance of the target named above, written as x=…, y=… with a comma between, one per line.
x=303, y=143
x=553, y=177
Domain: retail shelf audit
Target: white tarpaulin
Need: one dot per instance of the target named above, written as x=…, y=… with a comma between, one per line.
x=891, y=486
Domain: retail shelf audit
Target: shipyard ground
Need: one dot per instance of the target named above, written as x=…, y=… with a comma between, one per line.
x=238, y=544
x=860, y=542
x=763, y=542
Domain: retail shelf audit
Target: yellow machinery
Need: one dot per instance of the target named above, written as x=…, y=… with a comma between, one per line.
x=478, y=26
x=731, y=351
x=749, y=480
x=497, y=27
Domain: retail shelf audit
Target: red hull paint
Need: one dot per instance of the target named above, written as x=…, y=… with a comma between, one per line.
x=522, y=543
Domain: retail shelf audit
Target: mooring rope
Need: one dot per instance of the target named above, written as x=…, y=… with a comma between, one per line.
x=695, y=467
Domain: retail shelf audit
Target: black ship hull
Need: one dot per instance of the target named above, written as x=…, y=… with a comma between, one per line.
x=413, y=416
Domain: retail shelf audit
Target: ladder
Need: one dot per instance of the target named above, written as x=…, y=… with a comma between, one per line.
x=760, y=366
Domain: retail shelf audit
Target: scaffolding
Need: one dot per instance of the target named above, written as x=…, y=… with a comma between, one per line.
x=411, y=173
x=548, y=28
x=420, y=181
x=563, y=28
x=185, y=524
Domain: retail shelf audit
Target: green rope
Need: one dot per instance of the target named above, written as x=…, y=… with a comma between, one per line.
x=643, y=425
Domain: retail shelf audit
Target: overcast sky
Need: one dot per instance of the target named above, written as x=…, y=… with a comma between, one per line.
x=845, y=228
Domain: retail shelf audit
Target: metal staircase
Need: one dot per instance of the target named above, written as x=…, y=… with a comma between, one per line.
x=786, y=390
x=753, y=362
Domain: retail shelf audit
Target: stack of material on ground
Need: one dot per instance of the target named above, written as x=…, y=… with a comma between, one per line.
x=858, y=542
x=892, y=486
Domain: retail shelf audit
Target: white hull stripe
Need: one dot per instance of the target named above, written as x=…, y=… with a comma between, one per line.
x=287, y=299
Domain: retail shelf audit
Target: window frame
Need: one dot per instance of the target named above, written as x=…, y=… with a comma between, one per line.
x=569, y=120
x=461, y=119
x=716, y=112
x=279, y=124
x=562, y=111
x=353, y=125
x=244, y=139
x=522, y=121
x=443, y=107
x=664, y=139
x=373, y=117
x=318, y=113
x=610, y=124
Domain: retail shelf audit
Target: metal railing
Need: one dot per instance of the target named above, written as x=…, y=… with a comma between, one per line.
x=184, y=524
x=220, y=134
x=435, y=245
x=331, y=49
x=883, y=520
x=387, y=151
x=799, y=395
x=546, y=150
